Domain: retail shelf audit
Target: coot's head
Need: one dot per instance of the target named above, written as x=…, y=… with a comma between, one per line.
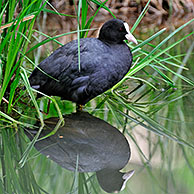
x=115, y=31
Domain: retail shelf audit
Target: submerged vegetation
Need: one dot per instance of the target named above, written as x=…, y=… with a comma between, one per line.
x=156, y=95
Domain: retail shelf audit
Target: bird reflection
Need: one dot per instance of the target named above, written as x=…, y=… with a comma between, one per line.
x=92, y=144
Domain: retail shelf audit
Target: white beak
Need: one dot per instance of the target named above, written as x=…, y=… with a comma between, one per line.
x=129, y=36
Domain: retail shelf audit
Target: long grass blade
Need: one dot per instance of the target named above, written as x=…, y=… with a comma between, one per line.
x=140, y=16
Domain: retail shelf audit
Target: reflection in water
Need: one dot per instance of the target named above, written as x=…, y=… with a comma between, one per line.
x=96, y=145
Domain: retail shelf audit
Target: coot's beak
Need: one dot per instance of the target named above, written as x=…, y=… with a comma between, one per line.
x=129, y=36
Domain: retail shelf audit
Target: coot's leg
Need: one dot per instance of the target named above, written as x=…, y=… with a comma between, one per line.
x=79, y=107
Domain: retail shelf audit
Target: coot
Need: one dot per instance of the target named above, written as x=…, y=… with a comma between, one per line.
x=104, y=62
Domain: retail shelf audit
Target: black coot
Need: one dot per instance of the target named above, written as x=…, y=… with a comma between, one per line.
x=104, y=62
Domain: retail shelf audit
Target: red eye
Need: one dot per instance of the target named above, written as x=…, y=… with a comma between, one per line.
x=121, y=29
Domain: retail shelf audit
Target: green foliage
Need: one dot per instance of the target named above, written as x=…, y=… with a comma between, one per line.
x=152, y=95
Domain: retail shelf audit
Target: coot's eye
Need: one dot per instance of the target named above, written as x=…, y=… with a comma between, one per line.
x=121, y=29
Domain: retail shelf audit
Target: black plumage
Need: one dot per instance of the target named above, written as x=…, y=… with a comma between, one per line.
x=104, y=62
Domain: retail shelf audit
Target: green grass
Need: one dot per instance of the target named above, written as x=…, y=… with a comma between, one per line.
x=161, y=106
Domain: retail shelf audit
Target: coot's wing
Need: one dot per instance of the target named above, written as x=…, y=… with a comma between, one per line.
x=59, y=74
x=51, y=68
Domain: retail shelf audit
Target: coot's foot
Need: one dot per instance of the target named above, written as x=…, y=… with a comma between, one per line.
x=79, y=107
